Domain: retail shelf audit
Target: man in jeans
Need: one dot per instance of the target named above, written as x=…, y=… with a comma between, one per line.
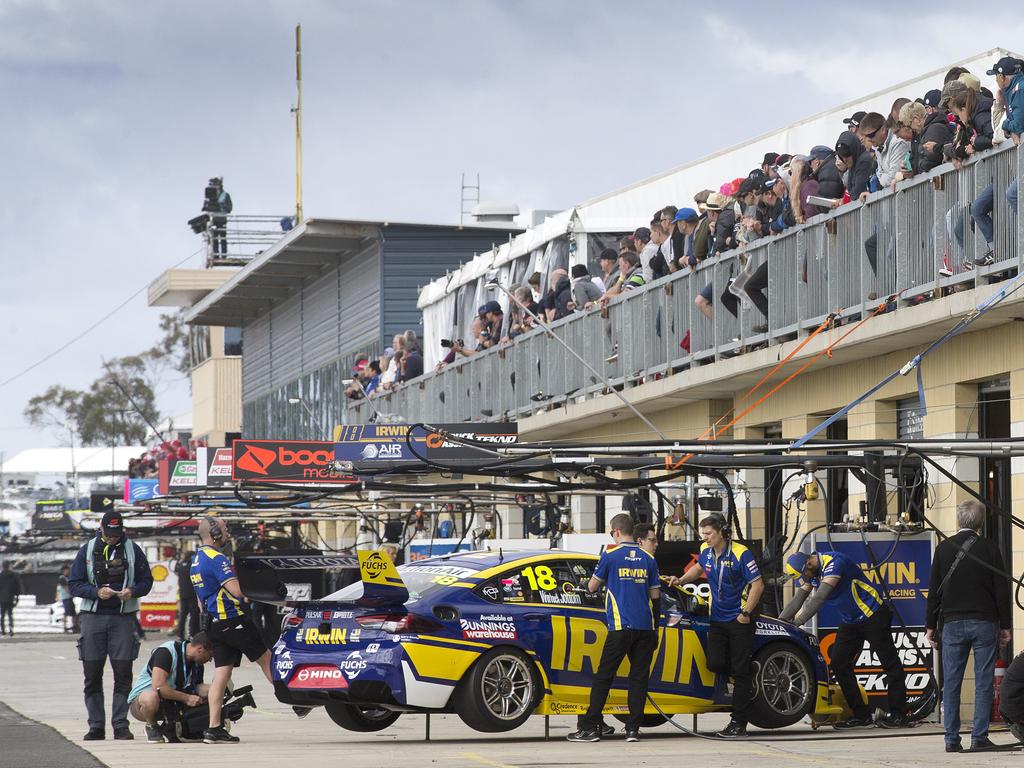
x=973, y=602
x=630, y=576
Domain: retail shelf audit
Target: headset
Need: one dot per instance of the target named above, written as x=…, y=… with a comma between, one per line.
x=719, y=522
x=216, y=531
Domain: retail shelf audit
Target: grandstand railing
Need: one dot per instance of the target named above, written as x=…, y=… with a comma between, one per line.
x=813, y=270
x=233, y=240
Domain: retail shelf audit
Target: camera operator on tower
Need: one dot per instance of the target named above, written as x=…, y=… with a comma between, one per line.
x=227, y=612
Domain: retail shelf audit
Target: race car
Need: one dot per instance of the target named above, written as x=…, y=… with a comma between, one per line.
x=498, y=636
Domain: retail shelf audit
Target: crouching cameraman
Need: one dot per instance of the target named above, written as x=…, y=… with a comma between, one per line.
x=172, y=678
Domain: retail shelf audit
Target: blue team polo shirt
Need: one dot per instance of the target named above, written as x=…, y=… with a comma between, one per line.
x=854, y=597
x=209, y=572
x=728, y=576
x=628, y=573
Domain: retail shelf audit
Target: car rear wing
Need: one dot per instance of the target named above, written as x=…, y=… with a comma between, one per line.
x=262, y=576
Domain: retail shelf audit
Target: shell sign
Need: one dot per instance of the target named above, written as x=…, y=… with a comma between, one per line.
x=160, y=607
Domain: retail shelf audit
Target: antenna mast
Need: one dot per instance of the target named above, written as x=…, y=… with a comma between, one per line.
x=298, y=125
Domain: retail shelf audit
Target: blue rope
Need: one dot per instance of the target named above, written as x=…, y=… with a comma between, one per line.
x=957, y=329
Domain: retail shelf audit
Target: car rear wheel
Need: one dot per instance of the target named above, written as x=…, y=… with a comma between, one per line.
x=361, y=719
x=784, y=686
x=499, y=693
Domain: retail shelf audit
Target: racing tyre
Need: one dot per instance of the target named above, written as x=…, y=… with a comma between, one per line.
x=499, y=693
x=361, y=719
x=784, y=686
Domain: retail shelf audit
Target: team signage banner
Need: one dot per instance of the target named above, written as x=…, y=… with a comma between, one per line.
x=138, y=489
x=218, y=465
x=442, y=448
x=358, y=443
x=50, y=515
x=364, y=446
x=286, y=461
x=181, y=475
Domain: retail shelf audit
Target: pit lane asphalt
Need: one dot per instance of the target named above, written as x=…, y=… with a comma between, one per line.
x=41, y=680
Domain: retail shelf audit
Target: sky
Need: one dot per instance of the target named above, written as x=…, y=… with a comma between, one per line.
x=117, y=113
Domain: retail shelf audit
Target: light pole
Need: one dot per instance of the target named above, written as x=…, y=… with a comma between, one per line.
x=305, y=405
x=494, y=284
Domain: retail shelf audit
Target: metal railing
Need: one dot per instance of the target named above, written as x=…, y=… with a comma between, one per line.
x=922, y=238
x=233, y=240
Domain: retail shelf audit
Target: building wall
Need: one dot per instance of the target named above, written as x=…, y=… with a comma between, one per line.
x=217, y=397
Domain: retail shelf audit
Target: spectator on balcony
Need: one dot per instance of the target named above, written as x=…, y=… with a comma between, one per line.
x=852, y=122
x=360, y=373
x=534, y=282
x=584, y=290
x=801, y=186
x=889, y=149
x=460, y=346
x=826, y=175
x=522, y=311
x=627, y=244
x=608, y=261
x=969, y=109
x=391, y=375
x=412, y=364
x=930, y=102
x=854, y=162
x=770, y=160
x=954, y=73
x=929, y=134
x=650, y=247
x=722, y=212
x=373, y=380
x=492, y=318
x=653, y=253
x=629, y=268
x=686, y=221
x=703, y=238
x=559, y=296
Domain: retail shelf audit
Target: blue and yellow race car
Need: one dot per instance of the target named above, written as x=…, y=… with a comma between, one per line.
x=498, y=636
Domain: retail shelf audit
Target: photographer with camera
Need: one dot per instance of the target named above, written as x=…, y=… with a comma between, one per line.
x=172, y=678
x=110, y=573
x=217, y=202
x=227, y=620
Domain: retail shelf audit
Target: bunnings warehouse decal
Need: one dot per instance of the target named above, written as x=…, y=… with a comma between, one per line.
x=915, y=654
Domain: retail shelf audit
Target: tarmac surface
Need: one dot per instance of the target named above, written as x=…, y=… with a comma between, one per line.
x=42, y=721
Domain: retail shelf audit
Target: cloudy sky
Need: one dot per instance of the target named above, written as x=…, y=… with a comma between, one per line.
x=117, y=112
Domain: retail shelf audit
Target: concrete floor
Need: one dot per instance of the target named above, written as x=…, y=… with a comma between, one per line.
x=40, y=678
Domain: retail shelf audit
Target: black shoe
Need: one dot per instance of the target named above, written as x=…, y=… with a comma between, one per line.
x=733, y=730
x=607, y=730
x=855, y=722
x=302, y=711
x=987, y=258
x=590, y=734
x=95, y=734
x=894, y=720
x=980, y=745
x=154, y=735
x=633, y=735
x=219, y=736
x=123, y=734
x=954, y=747
x=761, y=328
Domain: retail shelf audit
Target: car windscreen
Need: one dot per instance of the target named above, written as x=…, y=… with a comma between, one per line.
x=420, y=580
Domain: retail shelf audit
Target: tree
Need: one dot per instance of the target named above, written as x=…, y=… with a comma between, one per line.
x=112, y=411
x=173, y=348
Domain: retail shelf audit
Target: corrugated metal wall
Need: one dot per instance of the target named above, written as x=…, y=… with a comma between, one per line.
x=413, y=256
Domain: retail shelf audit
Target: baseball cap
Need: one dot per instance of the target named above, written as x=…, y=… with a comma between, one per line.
x=971, y=81
x=854, y=120
x=767, y=185
x=770, y=158
x=949, y=90
x=491, y=306
x=820, y=152
x=361, y=363
x=931, y=99
x=112, y=522
x=1007, y=65
x=389, y=351
x=686, y=214
x=608, y=254
x=795, y=565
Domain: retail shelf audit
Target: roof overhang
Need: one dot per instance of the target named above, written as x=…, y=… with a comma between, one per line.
x=300, y=256
x=185, y=287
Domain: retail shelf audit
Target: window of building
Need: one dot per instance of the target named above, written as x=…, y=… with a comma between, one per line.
x=232, y=342
x=909, y=421
x=198, y=344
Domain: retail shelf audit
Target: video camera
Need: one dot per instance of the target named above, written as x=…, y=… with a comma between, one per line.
x=449, y=343
x=188, y=723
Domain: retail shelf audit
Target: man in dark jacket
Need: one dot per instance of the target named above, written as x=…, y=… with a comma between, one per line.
x=935, y=135
x=970, y=604
x=559, y=296
x=10, y=588
x=855, y=162
x=110, y=574
x=825, y=173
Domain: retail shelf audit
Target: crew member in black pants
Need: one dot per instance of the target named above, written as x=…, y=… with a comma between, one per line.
x=630, y=576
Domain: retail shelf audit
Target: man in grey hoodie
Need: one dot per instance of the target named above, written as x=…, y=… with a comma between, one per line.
x=584, y=290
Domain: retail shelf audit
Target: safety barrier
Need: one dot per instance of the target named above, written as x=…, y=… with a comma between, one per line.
x=911, y=243
x=235, y=239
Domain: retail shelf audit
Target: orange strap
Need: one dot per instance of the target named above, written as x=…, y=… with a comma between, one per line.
x=670, y=465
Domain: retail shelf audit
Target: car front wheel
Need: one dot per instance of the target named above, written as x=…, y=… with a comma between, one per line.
x=784, y=686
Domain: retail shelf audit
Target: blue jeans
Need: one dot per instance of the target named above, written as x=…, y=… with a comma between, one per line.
x=958, y=639
x=981, y=211
x=1011, y=195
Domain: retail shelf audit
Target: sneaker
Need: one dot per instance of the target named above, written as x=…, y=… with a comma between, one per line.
x=734, y=730
x=219, y=735
x=945, y=271
x=855, y=722
x=302, y=711
x=123, y=734
x=589, y=734
x=980, y=745
x=154, y=735
x=893, y=720
x=989, y=257
x=95, y=734
x=968, y=265
x=762, y=328
x=607, y=730
x=632, y=735
x=954, y=747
